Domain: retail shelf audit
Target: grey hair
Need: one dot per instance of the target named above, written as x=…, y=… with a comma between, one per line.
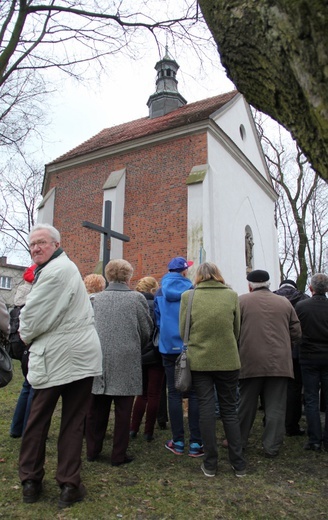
x=119, y=271
x=319, y=283
x=258, y=285
x=54, y=233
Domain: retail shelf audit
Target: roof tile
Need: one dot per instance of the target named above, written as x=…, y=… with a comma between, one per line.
x=188, y=114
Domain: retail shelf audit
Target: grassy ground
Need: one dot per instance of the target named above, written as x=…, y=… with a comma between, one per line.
x=158, y=485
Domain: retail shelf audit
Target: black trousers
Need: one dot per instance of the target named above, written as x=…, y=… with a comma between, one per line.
x=75, y=399
x=225, y=383
x=97, y=422
x=294, y=400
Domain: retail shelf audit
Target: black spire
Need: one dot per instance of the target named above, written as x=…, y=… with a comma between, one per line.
x=167, y=97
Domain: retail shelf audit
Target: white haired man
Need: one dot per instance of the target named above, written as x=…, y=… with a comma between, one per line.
x=64, y=355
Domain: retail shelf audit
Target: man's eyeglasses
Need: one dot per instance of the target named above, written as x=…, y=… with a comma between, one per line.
x=39, y=243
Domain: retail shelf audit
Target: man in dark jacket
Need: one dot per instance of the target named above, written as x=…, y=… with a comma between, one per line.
x=313, y=315
x=288, y=288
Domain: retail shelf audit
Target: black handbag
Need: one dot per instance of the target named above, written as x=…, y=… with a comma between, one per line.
x=182, y=373
x=155, y=339
x=6, y=367
x=16, y=345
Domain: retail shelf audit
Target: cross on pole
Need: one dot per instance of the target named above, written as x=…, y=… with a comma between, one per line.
x=107, y=233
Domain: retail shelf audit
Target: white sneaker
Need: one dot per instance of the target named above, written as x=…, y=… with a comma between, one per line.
x=208, y=472
x=239, y=472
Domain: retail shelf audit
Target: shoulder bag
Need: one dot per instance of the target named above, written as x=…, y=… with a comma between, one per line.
x=182, y=375
x=6, y=367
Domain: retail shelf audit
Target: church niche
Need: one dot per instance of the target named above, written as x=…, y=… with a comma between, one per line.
x=249, y=246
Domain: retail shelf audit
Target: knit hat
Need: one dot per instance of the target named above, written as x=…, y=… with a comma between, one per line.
x=289, y=282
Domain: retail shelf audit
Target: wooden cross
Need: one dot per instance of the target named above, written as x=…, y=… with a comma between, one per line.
x=107, y=233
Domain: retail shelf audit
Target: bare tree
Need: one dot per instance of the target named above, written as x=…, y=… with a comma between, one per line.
x=20, y=185
x=70, y=35
x=301, y=209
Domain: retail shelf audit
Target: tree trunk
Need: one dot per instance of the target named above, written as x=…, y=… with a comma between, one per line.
x=276, y=53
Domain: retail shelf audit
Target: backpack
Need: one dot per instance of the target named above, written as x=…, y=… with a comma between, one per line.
x=16, y=345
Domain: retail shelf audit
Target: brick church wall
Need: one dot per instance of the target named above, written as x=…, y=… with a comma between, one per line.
x=155, y=214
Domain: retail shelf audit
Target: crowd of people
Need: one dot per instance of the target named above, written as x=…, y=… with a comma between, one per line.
x=91, y=343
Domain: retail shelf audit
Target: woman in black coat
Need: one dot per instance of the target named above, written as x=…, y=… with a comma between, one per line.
x=152, y=372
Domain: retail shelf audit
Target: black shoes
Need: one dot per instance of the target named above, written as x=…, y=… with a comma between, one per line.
x=312, y=447
x=70, y=495
x=296, y=433
x=93, y=458
x=31, y=491
x=271, y=455
x=126, y=460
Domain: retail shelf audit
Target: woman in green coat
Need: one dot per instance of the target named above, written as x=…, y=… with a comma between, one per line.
x=214, y=361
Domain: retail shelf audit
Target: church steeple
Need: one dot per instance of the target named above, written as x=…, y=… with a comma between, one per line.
x=167, y=97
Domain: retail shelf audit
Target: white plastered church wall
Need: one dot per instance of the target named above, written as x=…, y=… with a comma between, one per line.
x=235, y=119
x=232, y=195
x=114, y=190
x=46, y=208
x=240, y=201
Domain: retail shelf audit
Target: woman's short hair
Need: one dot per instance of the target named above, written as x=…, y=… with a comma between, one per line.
x=94, y=283
x=208, y=271
x=120, y=271
x=148, y=284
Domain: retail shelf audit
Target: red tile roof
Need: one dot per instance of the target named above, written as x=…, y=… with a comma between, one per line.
x=188, y=114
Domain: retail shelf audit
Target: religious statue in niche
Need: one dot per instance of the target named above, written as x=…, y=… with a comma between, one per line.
x=249, y=244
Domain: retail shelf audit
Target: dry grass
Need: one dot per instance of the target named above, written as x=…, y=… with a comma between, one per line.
x=158, y=485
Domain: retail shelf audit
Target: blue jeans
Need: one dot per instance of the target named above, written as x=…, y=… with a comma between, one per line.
x=22, y=410
x=315, y=377
x=175, y=406
x=226, y=387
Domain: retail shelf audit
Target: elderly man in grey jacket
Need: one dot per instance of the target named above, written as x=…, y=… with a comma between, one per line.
x=58, y=325
x=269, y=325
